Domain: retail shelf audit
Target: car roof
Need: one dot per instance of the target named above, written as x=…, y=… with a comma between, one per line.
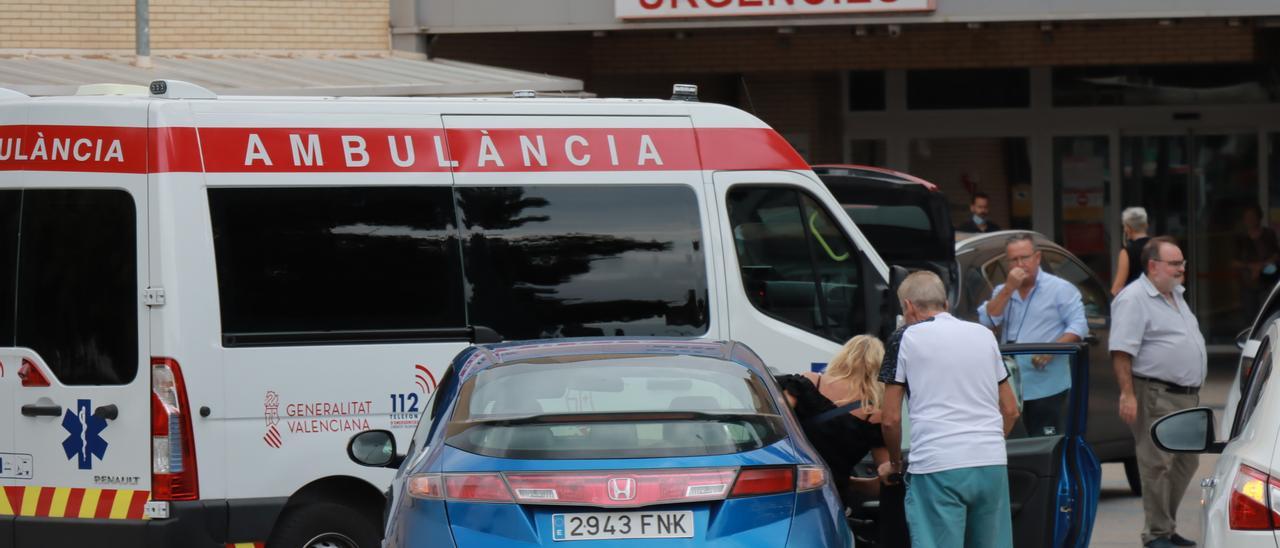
x=484, y=356
x=988, y=239
x=878, y=174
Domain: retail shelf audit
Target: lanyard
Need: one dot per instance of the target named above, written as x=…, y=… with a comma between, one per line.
x=1026, y=311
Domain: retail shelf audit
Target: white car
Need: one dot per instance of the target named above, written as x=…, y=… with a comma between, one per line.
x=1248, y=340
x=1242, y=497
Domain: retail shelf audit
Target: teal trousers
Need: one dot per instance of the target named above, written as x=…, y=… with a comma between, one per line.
x=965, y=507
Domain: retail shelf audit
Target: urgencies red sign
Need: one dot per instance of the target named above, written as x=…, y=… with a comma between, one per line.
x=389, y=150
x=651, y=9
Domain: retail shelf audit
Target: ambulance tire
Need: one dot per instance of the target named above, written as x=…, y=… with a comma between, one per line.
x=325, y=525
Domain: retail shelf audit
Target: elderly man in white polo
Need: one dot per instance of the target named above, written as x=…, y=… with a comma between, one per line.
x=961, y=409
x=1159, y=357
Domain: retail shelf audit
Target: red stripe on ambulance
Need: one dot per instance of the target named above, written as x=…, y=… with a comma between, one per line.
x=73, y=148
x=323, y=150
x=73, y=503
x=390, y=150
x=105, y=501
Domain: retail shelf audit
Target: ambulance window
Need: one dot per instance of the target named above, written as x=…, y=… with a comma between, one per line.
x=797, y=266
x=565, y=261
x=336, y=265
x=78, y=293
x=10, y=206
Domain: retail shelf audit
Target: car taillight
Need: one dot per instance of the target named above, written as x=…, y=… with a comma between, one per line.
x=1254, y=497
x=173, y=447
x=616, y=488
x=810, y=477
x=622, y=488
x=764, y=481
x=484, y=487
x=425, y=486
x=476, y=487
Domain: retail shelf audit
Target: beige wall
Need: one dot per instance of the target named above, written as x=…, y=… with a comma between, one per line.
x=330, y=25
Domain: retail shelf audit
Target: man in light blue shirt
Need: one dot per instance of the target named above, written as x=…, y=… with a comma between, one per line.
x=1033, y=306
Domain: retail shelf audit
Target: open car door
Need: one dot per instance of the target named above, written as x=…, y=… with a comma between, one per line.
x=1054, y=476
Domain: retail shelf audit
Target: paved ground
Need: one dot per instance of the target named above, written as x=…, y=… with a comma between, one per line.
x=1119, y=520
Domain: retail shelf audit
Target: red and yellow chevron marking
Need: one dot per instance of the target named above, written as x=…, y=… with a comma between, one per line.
x=73, y=502
x=246, y=545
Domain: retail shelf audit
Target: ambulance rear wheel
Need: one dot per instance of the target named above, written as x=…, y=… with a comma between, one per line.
x=325, y=525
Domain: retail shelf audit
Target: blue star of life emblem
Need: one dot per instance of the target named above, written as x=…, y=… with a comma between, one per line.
x=84, y=440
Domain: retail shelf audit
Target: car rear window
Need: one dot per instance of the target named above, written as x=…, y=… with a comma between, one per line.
x=904, y=222
x=614, y=407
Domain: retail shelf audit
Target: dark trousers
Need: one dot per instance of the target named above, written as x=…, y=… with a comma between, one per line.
x=1045, y=416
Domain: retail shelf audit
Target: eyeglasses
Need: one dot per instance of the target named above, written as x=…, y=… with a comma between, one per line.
x=1175, y=264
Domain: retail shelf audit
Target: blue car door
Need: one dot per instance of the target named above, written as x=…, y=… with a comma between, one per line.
x=1053, y=474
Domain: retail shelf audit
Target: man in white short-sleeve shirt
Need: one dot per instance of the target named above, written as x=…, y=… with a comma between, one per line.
x=1159, y=358
x=961, y=408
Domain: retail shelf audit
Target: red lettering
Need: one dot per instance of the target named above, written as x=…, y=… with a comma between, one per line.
x=718, y=3
x=750, y=3
x=651, y=4
x=815, y=2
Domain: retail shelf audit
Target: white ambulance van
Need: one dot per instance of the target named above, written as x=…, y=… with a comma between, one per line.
x=202, y=298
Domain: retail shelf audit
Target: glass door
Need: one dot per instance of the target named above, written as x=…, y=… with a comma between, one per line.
x=1082, y=184
x=1203, y=189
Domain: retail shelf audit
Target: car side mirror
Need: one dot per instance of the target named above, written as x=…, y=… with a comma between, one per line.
x=374, y=448
x=1187, y=431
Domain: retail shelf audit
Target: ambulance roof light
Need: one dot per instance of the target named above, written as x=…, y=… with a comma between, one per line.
x=8, y=94
x=177, y=89
x=524, y=94
x=684, y=92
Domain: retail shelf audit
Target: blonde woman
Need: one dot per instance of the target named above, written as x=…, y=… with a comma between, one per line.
x=853, y=375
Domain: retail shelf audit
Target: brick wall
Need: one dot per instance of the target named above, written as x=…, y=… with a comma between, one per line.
x=925, y=46
x=983, y=161
x=823, y=48
x=340, y=25
x=66, y=24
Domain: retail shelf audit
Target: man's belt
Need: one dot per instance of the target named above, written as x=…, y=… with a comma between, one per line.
x=1171, y=387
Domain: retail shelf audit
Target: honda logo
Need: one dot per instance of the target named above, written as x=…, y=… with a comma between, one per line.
x=622, y=489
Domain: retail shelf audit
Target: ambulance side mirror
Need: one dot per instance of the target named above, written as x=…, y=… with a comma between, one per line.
x=374, y=448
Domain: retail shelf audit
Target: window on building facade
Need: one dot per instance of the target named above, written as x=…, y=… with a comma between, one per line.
x=866, y=90
x=968, y=88
x=1145, y=85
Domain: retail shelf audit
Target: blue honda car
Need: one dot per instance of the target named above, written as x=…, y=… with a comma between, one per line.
x=629, y=443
